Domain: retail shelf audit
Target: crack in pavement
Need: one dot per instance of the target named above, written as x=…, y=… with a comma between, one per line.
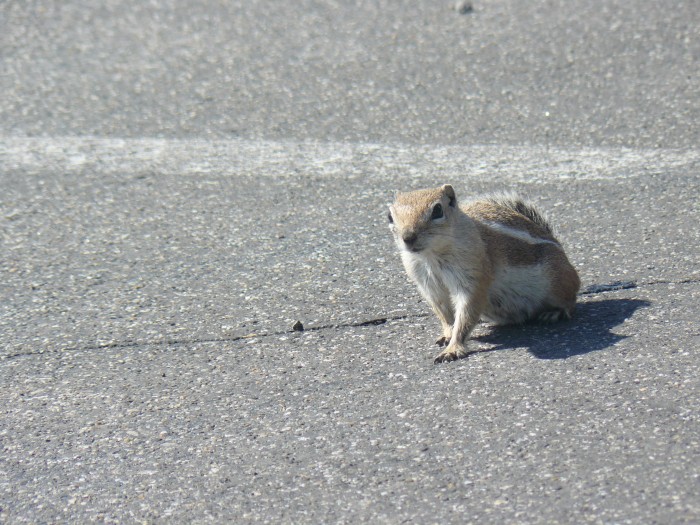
x=627, y=285
x=175, y=342
x=593, y=289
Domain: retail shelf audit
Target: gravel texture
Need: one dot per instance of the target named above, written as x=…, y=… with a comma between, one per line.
x=184, y=182
x=617, y=72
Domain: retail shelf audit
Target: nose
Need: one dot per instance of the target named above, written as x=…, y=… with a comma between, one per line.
x=410, y=238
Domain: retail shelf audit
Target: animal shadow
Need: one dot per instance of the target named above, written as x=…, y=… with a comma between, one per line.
x=590, y=330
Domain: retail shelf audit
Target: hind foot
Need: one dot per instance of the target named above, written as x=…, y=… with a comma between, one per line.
x=552, y=316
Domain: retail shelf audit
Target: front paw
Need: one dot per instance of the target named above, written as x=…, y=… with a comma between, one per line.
x=451, y=353
x=443, y=341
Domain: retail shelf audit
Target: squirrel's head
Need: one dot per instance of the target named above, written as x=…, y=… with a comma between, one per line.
x=420, y=220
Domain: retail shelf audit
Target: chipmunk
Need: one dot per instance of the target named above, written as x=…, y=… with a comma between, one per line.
x=494, y=258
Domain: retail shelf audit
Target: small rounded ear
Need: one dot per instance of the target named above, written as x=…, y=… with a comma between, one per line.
x=450, y=192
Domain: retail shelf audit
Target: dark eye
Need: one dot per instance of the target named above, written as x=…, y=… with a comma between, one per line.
x=391, y=219
x=437, y=212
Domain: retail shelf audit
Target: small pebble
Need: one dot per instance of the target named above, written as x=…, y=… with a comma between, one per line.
x=464, y=7
x=298, y=327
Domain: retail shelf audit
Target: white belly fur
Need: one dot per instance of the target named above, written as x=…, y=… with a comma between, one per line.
x=517, y=293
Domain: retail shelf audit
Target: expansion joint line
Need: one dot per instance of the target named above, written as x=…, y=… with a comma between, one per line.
x=594, y=289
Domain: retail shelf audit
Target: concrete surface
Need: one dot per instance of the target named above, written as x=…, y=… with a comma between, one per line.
x=618, y=72
x=181, y=183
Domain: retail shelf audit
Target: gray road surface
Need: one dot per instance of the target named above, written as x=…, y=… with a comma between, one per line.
x=180, y=183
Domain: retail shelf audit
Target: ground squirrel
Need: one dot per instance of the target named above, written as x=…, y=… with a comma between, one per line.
x=494, y=258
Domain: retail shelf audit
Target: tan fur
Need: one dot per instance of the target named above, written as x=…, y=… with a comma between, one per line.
x=482, y=259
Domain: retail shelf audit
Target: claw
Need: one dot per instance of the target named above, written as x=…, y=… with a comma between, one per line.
x=443, y=341
x=445, y=357
x=450, y=354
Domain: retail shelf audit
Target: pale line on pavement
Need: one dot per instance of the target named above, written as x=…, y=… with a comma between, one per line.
x=260, y=158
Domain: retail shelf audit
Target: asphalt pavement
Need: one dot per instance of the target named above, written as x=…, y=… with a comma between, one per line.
x=181, y=182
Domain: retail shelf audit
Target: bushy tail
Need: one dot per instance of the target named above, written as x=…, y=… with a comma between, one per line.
x=528, y=210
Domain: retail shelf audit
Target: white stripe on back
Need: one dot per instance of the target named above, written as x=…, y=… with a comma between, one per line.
x=518, y=234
